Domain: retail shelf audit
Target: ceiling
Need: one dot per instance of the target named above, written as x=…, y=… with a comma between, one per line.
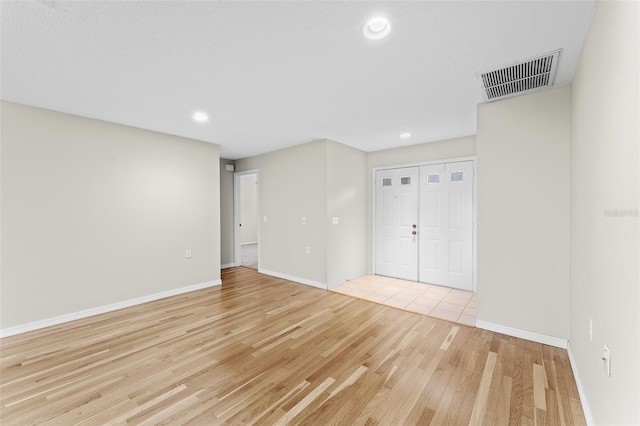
x=277, y=74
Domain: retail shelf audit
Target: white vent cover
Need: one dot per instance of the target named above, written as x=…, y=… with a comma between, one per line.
x=521, y=77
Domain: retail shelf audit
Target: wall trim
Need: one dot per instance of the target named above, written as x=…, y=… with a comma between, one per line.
x=19, y=329
x=523, y=334
x=228, y=265
x=250, y=242
x=292, y=278
x=581, y=392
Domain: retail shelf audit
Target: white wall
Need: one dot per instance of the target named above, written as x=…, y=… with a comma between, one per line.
x=227, y=253
x=249, y=209
x=95, y=213
x=523, y=212
x=421, y=153
x=293, y=185
x=605, y=255
x=346, y=200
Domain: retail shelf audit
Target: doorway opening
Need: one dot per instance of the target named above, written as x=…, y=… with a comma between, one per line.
x=247, y=234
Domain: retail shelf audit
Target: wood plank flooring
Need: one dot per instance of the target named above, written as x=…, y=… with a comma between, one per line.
x=262, y=350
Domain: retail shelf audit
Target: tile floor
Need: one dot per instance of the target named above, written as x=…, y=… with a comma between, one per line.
x=432, y=300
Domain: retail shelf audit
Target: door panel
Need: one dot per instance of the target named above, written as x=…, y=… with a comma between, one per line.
x=431, y=254
x=446, y=236
x=456, y=213
x=432, y=206
x=396, y=214
x=456, y=257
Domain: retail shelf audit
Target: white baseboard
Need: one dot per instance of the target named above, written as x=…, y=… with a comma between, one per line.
x=523, y=334
x=292, y=278
x=227, y=265
x=581, y=392
x=103, y=309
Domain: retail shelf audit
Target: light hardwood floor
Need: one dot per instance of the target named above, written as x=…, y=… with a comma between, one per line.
x=262, y=350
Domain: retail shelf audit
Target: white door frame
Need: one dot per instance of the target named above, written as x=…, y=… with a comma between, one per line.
x=428, y=163
x=237, y=261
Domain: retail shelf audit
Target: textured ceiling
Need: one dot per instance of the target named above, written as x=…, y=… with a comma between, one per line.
x=277, y=74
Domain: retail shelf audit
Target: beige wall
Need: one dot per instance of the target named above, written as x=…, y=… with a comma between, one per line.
x=431, y=151
x=605, y=284
x=227, y=255
x=346, y=193
x=413, y=154
x=293, y=185
x=523, y=212
x=95, y=213
x=317, y=180
x=346, y=200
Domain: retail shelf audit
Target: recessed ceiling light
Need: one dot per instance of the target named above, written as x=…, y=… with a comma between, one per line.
x=376, y=28
x=405, y=135
x=200, y=116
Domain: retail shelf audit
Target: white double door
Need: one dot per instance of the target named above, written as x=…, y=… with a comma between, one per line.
x=424, y=224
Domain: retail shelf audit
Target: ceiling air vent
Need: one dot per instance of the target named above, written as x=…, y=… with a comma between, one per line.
x=521, y=77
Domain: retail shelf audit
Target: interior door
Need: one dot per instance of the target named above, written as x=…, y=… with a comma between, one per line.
x=396, y=222
x=446, y=224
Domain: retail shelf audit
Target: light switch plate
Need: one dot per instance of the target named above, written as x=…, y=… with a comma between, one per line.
x=335, y=220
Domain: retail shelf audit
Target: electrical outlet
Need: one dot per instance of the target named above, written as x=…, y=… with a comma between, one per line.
x=335, y=220
x=188, y=254
x=606, y=360
x=304, y=220
x=264, y=219
x=590, y=330
x=307, y=250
